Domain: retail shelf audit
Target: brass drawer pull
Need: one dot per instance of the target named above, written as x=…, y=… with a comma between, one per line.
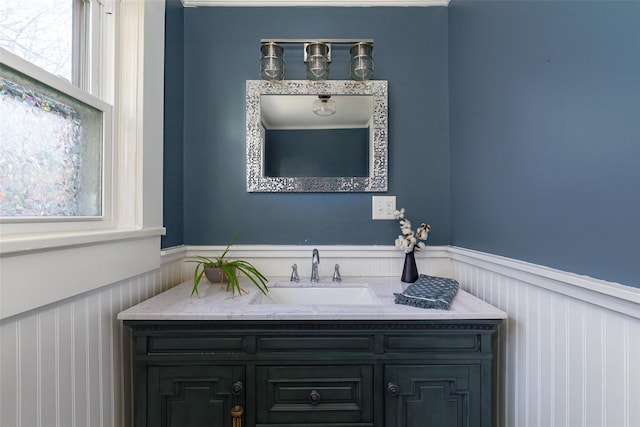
x=314, y=397
x=236, y=416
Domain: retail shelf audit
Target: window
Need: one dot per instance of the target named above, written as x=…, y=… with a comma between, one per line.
x=55, y=148
x=51, y=150
x=74, y=250
x=41, y=32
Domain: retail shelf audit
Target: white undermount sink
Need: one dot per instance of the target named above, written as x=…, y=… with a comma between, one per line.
x=340, y=295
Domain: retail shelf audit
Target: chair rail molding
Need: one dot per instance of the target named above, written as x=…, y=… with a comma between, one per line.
x=345, y=3
x=613, y=296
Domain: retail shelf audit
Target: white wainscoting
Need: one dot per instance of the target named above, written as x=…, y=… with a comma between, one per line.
x=567, y=356
x=359, y=261
x=569, y=353
x=68, y=364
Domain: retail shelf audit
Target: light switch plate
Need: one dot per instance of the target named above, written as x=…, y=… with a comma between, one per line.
x=382, y=207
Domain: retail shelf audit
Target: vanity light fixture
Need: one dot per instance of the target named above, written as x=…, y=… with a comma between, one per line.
x=272, y=62
x=324, y=105
x=317, y=55
x=361, y=61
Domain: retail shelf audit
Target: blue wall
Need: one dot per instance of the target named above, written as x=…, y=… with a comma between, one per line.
x=545, y=133
x=544, y=121
x=173, y=179
x=222, y=51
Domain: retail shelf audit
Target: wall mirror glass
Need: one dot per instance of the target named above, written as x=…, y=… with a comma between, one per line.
x=328, y=136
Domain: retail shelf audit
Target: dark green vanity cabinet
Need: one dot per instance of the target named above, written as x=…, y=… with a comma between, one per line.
x=320, y=373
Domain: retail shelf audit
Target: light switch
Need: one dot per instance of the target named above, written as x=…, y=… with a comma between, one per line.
x=383, y=207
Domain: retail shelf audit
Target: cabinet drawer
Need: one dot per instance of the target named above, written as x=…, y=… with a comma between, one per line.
x=433, y=343
x=314, y=394
x=196, y=344
x=306, y=343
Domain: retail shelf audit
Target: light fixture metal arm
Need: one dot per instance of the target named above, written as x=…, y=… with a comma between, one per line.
x=302, y=41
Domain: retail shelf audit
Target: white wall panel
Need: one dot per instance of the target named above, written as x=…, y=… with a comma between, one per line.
x=69, y=364
x=561, y=360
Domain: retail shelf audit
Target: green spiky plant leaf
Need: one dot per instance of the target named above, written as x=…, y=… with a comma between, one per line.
x=229, y=269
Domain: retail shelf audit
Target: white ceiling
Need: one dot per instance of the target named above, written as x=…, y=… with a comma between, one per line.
x=296, y=112
x=345, y=3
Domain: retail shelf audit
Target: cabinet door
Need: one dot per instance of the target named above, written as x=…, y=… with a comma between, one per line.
x=432, y=395
x=193, y=396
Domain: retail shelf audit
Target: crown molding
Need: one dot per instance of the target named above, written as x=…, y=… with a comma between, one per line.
x=342, y=3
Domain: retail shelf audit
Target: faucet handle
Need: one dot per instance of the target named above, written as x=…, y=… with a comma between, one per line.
x=336, y=274
x=294, y=273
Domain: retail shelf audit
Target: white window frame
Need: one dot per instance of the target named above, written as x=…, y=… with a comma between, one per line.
x=41, y=267
x=17, y=224
x=93, y=63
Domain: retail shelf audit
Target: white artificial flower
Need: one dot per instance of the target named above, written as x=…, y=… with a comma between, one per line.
x=410, y=240
x=423, y=231
x=406, y=243
x=410, y=244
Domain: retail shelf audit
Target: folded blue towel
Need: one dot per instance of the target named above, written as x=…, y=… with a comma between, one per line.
x=429, y=292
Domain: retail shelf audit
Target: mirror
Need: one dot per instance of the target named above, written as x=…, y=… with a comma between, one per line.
x=328, y=136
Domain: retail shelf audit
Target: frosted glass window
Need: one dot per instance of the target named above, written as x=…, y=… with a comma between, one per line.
x=50, y=151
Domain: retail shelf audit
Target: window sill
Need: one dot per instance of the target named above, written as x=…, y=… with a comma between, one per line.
x=42, y=270
x=25, y=243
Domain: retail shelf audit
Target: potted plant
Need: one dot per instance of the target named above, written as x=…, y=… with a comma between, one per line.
x=228, y=271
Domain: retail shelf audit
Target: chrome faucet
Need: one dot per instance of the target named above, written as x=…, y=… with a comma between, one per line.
x=294, y=273
x=336, y=274
x=315, y=260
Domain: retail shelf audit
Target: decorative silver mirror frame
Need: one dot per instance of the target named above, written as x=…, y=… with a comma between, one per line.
x=378, y=168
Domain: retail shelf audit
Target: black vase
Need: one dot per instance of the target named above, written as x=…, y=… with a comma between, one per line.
x=410, y=270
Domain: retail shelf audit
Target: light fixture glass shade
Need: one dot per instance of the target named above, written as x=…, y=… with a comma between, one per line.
x=324, y=105
x=362, y=61
x=317, y=61
x=272, y=62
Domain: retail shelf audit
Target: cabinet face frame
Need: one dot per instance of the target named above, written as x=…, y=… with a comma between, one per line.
x=393, y=350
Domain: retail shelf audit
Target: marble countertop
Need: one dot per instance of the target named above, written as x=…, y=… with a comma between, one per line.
x=214, y=303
